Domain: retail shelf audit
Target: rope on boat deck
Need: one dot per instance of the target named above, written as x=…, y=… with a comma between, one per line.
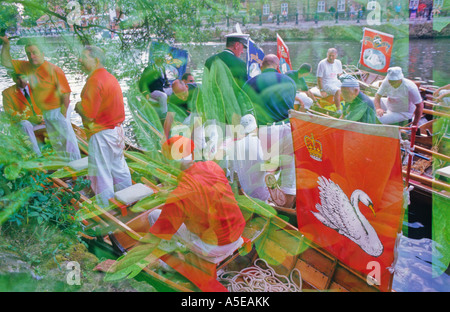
x=258, y=279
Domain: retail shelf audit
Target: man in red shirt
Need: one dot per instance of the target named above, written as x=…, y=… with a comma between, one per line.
x=202, y=212
x=51, y=94
x=18, y=103
x=102, y=111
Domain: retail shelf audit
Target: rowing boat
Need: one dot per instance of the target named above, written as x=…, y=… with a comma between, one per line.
x=269, y=239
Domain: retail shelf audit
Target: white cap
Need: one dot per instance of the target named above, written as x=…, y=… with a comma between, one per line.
x=249, y=123
x=348, y=81
x=395, y=73
x=238, y=37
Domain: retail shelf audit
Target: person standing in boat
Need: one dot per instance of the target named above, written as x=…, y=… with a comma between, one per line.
x=358, y=106
x=273, y=95
x=328, y=72
x=102, y=111
x=19, y=105
x=304, y=96
x=235, y=45
x=398, y=99
x=51, y=93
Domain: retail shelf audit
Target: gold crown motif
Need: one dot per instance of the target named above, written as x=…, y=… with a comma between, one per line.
x=314, y=147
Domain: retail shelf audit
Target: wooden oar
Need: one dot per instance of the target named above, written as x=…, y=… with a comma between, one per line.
x=434, y=154
x=436, y=113
x=428, y=181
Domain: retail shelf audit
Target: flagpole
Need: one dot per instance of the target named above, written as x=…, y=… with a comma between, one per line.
x=410, y=156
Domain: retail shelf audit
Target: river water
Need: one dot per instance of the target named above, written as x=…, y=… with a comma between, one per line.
x=425, y=59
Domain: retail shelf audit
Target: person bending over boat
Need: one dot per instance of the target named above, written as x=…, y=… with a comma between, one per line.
x=201, y=213
x=19, y=105
x=328, y=72
x=358, y=106
x=180, y=98
x=304, y=96
x=102, y=112
x=51, y=93
x=402, y=102
x=273, y=95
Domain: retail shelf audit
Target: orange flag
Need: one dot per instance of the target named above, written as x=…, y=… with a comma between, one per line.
x=283, y=55
x=376, y=50
x=350, y=191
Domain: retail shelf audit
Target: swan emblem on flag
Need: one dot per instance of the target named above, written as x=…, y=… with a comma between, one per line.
x=336, y=211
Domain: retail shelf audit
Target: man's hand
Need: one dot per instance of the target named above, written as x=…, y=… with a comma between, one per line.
x=5, y=40
x=380, y=112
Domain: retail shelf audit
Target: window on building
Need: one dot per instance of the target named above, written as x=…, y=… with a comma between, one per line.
x=321, y=6
x=341, y=5
x=438, y=4
x=284, y=8
x=266, y=9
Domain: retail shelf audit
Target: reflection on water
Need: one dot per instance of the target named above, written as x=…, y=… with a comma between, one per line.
x=428, y=59
x=413, y=271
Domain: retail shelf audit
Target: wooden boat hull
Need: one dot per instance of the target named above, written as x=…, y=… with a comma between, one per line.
x=274, y=242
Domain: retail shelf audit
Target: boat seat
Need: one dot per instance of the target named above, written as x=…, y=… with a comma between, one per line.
x=78, y=164
x=130, y=195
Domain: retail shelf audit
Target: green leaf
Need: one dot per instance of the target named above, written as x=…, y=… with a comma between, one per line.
x=12, y=171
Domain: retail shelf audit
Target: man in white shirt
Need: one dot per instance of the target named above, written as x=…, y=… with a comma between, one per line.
x=328, y=72
x=402, y=102
x=249, y=159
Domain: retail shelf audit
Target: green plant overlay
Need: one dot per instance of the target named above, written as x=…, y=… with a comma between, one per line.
x=38, y=224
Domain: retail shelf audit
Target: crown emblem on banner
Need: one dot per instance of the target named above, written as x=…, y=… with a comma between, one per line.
x=314, y=147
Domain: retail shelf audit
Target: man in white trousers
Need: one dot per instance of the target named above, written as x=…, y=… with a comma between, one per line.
x=102, y=111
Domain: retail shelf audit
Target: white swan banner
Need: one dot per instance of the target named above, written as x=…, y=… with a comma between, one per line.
x=376, y=50
x=349, y=191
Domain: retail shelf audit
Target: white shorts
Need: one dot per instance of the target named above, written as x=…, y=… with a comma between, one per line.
x=392, y=117
x=332, y=88
x=307, y=101
x=210, y=253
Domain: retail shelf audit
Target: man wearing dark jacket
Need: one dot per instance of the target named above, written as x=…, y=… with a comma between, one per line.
x=230, y=56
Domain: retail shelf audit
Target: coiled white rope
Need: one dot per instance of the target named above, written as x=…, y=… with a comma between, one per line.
x=258, y=279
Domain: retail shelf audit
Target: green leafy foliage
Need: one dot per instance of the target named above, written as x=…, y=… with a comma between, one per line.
x=220, y=98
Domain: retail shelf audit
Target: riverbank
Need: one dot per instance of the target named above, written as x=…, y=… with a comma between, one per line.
x=331, y=30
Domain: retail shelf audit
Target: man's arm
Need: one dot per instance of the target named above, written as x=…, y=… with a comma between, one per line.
x=311, y=96
x=6, y=58
x=320, y=86
x=418, y=113
x=377, y=103
x=65, y=99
